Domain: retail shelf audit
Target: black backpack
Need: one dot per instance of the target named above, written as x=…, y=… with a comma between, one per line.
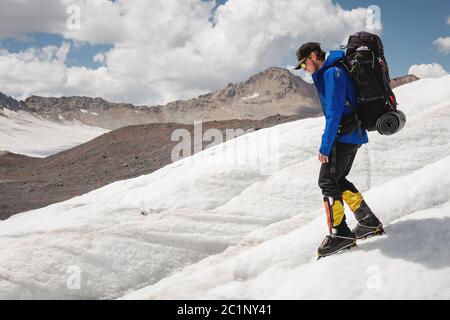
x=377, y=105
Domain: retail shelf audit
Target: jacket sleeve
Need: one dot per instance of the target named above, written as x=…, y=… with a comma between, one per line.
x=334, y=102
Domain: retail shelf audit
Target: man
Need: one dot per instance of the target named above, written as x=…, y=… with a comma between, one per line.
x=338, y=148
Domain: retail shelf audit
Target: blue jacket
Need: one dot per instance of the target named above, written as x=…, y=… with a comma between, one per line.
x=335, y=86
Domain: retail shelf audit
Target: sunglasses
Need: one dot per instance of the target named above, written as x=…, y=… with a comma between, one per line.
x=303, y=64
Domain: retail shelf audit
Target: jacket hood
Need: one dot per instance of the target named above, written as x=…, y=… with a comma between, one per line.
x=333, y=56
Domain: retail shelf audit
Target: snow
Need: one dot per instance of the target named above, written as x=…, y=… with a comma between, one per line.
x=410, y=262
x=254, y=95
x=24, y=133
x=214, y=228
x=83, y=111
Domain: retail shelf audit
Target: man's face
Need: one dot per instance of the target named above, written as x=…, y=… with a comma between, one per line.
x=312, y=64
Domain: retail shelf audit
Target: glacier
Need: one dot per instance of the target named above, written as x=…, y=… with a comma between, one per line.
x=217, y=229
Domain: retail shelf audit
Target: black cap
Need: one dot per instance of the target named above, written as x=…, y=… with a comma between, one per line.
x=304, y=51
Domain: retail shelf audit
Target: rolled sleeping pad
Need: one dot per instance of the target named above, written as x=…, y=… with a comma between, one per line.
x=391, y=122
x=402, y=116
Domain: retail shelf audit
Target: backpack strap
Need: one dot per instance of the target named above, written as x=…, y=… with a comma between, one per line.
x=356, y=123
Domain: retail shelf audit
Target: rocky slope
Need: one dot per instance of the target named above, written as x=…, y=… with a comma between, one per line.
x=27, y=183
x=10, y=103
x=403, y=80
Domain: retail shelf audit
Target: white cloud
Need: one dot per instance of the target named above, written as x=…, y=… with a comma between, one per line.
x=99, y=57
x=433, y=70
x=448, y=20
x=170, y=50
x=26, y=16
x=443, y=44
x=33, y=70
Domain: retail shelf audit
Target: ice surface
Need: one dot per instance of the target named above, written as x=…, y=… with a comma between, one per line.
x=222, y=229
x=25, y=133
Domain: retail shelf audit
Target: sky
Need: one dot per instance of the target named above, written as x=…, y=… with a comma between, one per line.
x=153, y=52
x=409, y=30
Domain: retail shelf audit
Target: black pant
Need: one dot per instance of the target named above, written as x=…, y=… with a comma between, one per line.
x=332, y=177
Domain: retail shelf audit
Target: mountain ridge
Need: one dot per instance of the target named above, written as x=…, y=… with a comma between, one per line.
x=267, y=93
x=272, y=91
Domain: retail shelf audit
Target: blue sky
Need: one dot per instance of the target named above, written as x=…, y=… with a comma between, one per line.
x=409, y=29
x=79, y=55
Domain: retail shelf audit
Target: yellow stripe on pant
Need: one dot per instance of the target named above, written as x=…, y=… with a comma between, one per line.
x=335, y=211
x=352, y=199
x=338, y=212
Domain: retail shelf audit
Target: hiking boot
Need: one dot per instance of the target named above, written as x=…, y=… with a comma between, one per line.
x=368, y=223
x=341, y=238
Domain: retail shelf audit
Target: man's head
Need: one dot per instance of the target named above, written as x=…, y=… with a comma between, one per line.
x=310, y=57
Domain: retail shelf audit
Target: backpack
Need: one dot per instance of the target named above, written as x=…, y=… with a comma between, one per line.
x=377, y=105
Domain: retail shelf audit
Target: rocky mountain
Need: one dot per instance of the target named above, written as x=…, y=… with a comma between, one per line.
x=270, y=92
x=9, y=102
x=273, y=91
x=95, y=112
x=403, y=80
